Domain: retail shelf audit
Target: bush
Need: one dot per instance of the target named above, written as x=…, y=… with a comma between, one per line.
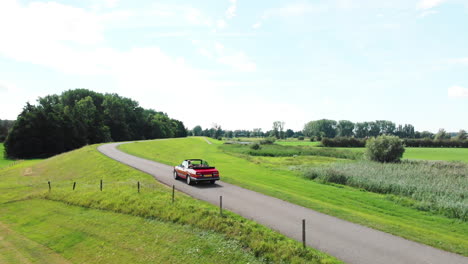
x=300, y=138
x=385, y=149
x=255, y=146
x=430, y=143
x=344, y=142
x=268, y=141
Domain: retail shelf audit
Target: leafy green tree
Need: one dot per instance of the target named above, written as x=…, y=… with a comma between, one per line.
x=78, y=117
x=374, y=129
x=320, y=128
x=289, y=133
x=385, y=149
x=278, y=129
x=386, y=127
x=5, y=126
x=345, y=128
x=197, y=131
x=442, y=134
x=427, y=134
x=362, y=130
x=462, y=135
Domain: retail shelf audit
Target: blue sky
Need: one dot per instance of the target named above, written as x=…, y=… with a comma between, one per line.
x=244, y=64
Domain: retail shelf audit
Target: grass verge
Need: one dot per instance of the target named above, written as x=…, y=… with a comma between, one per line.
x=356, y=205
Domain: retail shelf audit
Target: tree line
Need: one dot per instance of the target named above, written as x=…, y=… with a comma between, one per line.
x=278, y=131
x=325, y=128
x=78, y=117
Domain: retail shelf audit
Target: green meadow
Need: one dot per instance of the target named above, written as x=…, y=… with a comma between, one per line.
x=282, y=177
x=120, y=225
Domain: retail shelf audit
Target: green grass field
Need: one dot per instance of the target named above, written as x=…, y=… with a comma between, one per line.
x=120, y=225
x=4, y=162
x=371, y=209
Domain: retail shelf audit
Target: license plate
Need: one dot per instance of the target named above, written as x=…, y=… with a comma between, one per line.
x=207, y=175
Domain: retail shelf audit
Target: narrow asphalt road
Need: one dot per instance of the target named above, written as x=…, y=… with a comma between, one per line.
x=347, y=241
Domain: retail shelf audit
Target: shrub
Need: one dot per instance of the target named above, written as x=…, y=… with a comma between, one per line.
x=440, y=143
x=385, y=149
x=255, y=146
x=300, y=138
x=268, y=141
x=343, y=142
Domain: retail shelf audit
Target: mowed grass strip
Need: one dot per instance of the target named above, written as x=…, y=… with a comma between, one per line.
x=28, y=181
x=371, y=209
x=84, y=235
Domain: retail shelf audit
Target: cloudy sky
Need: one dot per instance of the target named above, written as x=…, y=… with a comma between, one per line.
x=244, y=64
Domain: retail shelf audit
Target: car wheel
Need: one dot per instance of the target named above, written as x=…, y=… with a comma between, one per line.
x=175, y=175
x=189, y=181
x=212, y=182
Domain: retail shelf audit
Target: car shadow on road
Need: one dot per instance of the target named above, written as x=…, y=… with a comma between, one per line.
x=206, y=185
x=203, y=185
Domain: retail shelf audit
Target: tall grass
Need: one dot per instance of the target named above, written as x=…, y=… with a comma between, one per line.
x=275, y=150
x=437, y=186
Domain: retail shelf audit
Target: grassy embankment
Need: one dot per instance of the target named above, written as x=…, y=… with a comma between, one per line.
x=129, y=227
x=271, y=175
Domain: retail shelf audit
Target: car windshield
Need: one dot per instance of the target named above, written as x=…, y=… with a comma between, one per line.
x=199, y=163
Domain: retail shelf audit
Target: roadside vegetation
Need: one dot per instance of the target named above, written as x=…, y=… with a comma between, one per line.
x=128, y=227
x=281, y=176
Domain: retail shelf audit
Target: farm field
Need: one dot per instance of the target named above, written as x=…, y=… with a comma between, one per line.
x=264, y=174
x=124, y=225
x=4, y=162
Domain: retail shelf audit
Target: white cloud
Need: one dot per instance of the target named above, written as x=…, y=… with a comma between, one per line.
x=231, y=11
x=293, y=10
x=428, y=4
x=426, y=13
x=237, y=60
x=257, y=25
x=221, y=24
x=459, y=61
x=457, y=91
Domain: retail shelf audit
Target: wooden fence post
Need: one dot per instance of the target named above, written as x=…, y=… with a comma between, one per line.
x=101, y=186
x=74, y=185
x=138, y=187
x=221, y=205
x=173, y=190
x=303, y=233
x=48, y=182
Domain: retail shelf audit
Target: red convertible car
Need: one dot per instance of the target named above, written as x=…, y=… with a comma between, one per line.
x=196, y=170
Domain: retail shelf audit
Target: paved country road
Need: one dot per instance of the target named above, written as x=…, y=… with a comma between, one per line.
x=347, y=241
